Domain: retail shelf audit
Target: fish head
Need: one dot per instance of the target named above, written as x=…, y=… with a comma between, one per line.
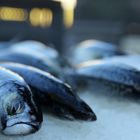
x=20, y=115
x=82, y=112
x=70, y=106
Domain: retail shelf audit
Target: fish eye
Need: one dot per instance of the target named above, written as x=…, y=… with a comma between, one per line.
x=15, y=109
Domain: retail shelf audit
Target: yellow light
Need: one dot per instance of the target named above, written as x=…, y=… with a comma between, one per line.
x=34, y=16
x=13, y=14
x=67, y=3
x=68, y=11
x=41, y=17
x=68, y=17
x=46, y=17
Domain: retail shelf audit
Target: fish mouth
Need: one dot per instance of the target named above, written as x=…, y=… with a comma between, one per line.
x=81, y=116
x=22, y=128
x=85, y=113
x=81, y=113
x=87, y=116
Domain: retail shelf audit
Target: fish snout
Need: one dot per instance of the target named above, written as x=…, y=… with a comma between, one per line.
x=86, y=113
x=22, y=128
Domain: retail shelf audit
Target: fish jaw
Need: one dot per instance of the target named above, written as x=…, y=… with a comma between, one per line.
x=81, y=112
x=21, y=128
x=81, y=116
x=87, y=113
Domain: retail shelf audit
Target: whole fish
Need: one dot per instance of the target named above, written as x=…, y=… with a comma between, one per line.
x=107, y=77
x=19, y=115
x=30, y=59
x=58, y=97
x=93, y=50
x=36, y=47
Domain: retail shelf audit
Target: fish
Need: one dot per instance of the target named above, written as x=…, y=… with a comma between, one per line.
x=36, y=47
x=109, y=78
x=19, y=114
x=93, y=50
x=57, y=96
x=36, y=60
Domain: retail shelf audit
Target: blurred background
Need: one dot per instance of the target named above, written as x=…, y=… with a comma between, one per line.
x=63, y=23
x=107, y=20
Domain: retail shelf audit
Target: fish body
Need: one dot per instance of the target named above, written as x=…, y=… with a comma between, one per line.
x=114, y=77
x=36, y=47
x=92, y=50
x=19, y=115
x=30, y=59
x=57, y=96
